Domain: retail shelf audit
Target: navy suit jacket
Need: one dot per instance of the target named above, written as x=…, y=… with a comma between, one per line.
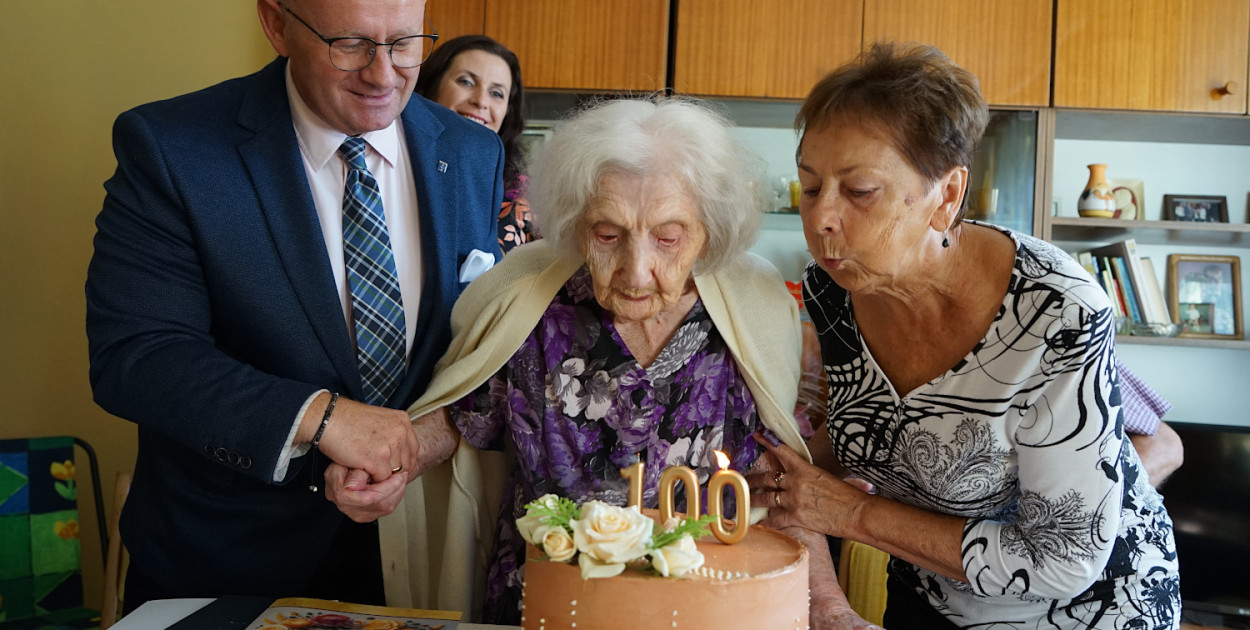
x=212, y=316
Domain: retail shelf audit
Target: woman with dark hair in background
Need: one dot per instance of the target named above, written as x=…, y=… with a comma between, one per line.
x=478, y=78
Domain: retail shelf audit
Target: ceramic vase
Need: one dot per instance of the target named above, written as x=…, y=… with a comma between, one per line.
x=1097, y=200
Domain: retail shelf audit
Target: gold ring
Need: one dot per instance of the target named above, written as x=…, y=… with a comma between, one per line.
x=777, y=499
x=397, y=468
x=778, y=476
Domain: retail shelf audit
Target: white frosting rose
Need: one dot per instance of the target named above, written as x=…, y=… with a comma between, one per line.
x=592, y=568
x=531, y=521
x=556, y=543
x=678, y=558
x=609, y=536
x=527, y=524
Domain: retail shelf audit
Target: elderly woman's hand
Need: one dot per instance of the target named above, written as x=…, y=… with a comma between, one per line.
x=829, y=609
x=803, y=495
x=840, y=619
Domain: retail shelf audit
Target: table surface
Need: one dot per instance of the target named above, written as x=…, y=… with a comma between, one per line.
x=160, y=614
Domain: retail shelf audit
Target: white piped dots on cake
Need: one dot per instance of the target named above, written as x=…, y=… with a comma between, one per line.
x=720, y=574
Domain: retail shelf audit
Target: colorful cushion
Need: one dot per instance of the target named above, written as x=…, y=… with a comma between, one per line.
x=40, y=554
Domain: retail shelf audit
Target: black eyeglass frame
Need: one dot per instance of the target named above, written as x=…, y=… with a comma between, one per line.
x=373, y=50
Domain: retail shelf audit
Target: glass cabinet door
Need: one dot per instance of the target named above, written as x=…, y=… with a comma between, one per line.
x=1004, y=171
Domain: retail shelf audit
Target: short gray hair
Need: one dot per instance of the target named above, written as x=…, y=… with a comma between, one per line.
x=656, y=134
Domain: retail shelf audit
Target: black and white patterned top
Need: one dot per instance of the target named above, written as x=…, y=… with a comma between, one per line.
x=1024, y=438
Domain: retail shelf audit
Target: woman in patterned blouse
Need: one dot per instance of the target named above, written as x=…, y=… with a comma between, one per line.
x=971, y=378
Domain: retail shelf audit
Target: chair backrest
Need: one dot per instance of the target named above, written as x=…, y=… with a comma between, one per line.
x=862, y=575
x=40, y=552
x=115, y=560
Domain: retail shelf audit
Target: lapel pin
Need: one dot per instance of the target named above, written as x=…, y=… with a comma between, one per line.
x=442, y=166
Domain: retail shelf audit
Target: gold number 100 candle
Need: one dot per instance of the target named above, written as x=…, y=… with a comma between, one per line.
x=716, y=486
x=725, y=477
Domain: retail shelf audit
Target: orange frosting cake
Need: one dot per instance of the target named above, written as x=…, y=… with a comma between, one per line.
x=760, y=582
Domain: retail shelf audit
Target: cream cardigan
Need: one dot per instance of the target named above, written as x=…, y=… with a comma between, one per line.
x=435, y=545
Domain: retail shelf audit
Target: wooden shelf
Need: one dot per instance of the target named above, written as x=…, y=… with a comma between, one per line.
x=1150, y=232
x=1188, y=342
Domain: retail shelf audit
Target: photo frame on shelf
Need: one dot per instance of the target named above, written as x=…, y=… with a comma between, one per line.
x=1195, y=208
x=1130, y=197
x=1204, y=293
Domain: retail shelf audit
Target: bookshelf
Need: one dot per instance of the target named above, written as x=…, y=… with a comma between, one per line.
x=1074, y=233
x=1077, y=229
x=1142, y=340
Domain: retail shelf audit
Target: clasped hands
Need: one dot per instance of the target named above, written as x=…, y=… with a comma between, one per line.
x=375, y=452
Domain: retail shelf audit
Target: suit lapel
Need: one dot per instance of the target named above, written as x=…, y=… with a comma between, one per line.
x=438, y=238
x=272, y=159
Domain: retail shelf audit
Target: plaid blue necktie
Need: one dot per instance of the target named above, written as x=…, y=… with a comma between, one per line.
x=377, y=307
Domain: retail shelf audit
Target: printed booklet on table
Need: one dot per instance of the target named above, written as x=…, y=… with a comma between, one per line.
x=319, y=614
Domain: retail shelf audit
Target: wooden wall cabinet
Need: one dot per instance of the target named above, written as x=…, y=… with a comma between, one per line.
x=1168, y=55
x=762, y=48
x=1005, y=43
x=605, y=45
x=453, y=18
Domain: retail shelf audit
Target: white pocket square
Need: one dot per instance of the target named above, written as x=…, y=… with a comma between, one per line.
x=475, y=264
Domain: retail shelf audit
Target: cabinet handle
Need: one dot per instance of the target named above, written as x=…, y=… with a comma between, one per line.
x=1225, y=90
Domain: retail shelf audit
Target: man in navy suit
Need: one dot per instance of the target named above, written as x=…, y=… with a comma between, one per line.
x=220, y=317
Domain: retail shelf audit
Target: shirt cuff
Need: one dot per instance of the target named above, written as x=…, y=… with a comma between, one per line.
x=293, y=450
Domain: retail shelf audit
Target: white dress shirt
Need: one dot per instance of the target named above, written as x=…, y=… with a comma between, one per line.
x=388, y=162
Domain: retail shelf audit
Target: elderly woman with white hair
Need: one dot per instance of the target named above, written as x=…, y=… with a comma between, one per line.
x=638, y=330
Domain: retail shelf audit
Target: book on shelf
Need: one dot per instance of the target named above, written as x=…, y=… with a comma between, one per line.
x=1099, y=269
x=1087, y=261
x=1154, y=290
x=1113, y=291
x=1120, y=270
x=312, y=614
x=1137, y=287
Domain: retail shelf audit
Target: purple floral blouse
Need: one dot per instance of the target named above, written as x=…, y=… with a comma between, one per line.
x=576, y=408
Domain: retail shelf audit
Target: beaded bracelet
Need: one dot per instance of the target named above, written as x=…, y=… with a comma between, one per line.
x=325, y=420
x=312, y=468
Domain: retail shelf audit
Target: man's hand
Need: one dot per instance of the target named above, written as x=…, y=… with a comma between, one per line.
x=363, y=500
x=377, y=440
x=1161, y=454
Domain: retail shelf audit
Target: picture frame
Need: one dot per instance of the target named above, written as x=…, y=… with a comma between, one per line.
x=1195, y=208
x=1130, y=198
x=1204, y=293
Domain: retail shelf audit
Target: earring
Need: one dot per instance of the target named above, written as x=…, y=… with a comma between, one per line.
x=946, y=241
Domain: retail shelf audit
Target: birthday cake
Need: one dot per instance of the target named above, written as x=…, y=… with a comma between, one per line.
x=760, y=582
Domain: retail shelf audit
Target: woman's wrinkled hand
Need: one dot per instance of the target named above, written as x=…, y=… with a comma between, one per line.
x=840, y=619
x=765, y=463
x=798, y=494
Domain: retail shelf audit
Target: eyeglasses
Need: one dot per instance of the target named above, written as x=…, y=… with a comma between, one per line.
x=351, y=54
